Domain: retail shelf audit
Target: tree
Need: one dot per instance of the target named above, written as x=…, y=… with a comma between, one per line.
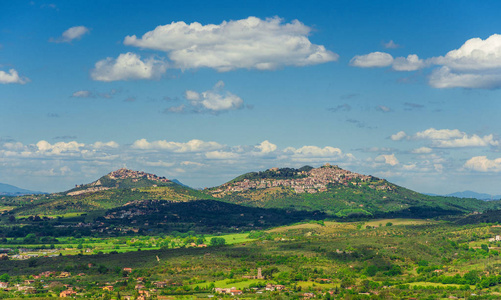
x=217, y=241
x=5, y=277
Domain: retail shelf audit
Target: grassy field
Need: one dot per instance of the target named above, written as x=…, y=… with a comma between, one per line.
x=396, y=222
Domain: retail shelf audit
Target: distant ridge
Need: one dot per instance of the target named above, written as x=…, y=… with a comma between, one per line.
x=475, y=195
x=10, y=190
x=180, y=183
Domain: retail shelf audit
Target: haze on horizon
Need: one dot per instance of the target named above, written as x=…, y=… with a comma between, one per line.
x=203, y=92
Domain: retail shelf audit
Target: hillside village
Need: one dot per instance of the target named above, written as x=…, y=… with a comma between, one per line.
x=314, y=181
x=120, y=174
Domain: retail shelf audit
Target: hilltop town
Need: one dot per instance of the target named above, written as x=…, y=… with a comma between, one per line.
x=313, y=181
x=120, y=174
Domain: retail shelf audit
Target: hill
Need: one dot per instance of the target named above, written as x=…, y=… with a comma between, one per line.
x=10, y=190
x=339, y=192
x=112, y=190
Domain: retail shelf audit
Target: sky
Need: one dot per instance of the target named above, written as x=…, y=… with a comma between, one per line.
x=203, y=91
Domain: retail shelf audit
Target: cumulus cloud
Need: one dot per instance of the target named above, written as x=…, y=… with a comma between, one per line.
x=191, y=146
x=372, y=60
x=215, y=101
x=110, y=144
x=315, y=154
x=388, y=159
x=483, y=164
x=223, y=155
x=444, y=77
x=12, y=77
x=128, y=66
x=410, y=63
x=59, y=147
x=72, y=33
x=439, y=134
x=476, y=64
x=266, y=147
x=454, y=138
x=422, y=150
x=398, y=136
x=250, y=43
x=381, y=59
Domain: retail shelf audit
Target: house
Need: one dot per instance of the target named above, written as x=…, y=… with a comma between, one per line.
x=127, y=270
x=4, y=285
x=64, y=275
x=235, y=292
x=139, y=286
x=160, y=284
x=67, y=293
x=108, y=288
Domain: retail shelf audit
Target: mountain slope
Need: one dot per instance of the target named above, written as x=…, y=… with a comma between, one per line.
x=10, y=190
x=339, y=192
x=475, y=195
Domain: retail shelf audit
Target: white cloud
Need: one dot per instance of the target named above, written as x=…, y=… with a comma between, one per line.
x=445, y=78
x=82, y=94
x=58, y=148
x=215, y=100
x=223, y=155
x=422, y=150
x=110, y=144
x=266, y=147
x=314, y=153
x=159, y=164
x=474, y=54
x=381, y=59
x=128, y=66
x=371, y=60
x=249, y=43
x=476, y=64
x=71, y=34
x=439, y=134
x=388, y=159
x=410, y=63
x=12, y=77
x=191, y=146
x=191, y=163
x=483, y=164
x=454, y=138
x=192, y=95
x=391, y=45
x=398, y=136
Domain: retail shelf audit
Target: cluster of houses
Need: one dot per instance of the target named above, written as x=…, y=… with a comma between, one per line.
x=314, y=181
x=124, y=173
x=497, y=238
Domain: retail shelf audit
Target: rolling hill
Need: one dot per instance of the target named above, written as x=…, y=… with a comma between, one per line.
x=338, y=192
x=112, y=190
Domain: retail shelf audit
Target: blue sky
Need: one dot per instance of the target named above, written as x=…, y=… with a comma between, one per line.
x=205, y=91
